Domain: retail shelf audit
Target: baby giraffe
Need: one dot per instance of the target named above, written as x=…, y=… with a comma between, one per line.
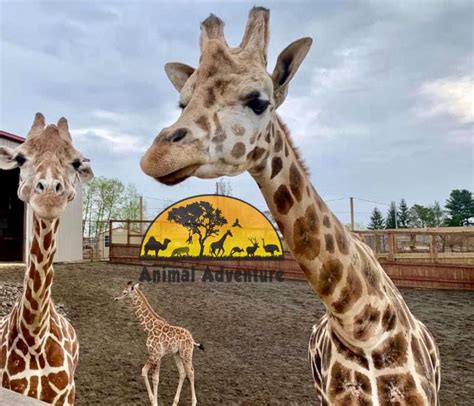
x=163, y=339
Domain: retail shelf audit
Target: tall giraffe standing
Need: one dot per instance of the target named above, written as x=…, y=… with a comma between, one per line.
x=163, y=339
x=38, y=347
x=368, y=349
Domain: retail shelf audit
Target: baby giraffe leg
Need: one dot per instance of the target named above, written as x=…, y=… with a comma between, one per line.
x=145, y=371
x=188, y=366
x=156, y=379
x=182, y=375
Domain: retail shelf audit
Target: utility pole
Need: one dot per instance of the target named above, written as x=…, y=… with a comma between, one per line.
x=351, y=200
x=141, y=215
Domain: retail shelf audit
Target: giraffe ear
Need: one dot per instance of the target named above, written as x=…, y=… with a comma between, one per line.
x=178, y=74
x=136, y=286
x=7, y=160
x=287, y=64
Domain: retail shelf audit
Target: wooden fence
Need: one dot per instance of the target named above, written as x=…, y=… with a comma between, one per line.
x=432, y=258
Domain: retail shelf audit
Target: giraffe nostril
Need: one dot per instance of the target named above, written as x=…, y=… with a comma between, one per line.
x=40, y=186
x=58, y=187
x=178, y=135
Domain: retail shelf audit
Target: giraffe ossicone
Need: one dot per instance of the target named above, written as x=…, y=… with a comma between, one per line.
x=368, y=348
x=39, y=350
x=163, y=339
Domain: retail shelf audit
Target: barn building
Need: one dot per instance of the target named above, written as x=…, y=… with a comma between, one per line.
x=16, y=218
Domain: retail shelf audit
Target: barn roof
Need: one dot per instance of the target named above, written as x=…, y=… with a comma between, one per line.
x=11, y=137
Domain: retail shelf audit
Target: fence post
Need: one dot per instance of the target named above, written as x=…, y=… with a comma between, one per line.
x=433, y=249
x=391, y=246
x=128, y=232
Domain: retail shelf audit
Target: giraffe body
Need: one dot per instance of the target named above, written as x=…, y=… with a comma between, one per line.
x=39, y=350
x=369, y=349
x=162, y=339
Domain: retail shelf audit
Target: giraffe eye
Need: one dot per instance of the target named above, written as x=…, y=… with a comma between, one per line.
x=20, y=159
x=76, y=164
x=258, y=105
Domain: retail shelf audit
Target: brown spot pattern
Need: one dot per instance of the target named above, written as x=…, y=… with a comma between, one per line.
x=306, y=234
x=391, y=353
x=277, y=165
x=203, y=123
x=278, y=141
x=283, y=199
x=36, y=250
x=210, y=97
x=54, y=353
x=238, y=150
x=342, y=240
x=349, y=353
x=350, y=293
x=389, y=318
x=326, y=221
x=329, y=276
x=329, y=243
x=365, y=321
x=398, y=389
x=340, y=378
x=256, y=153
x=296, y=182
x=47, y=240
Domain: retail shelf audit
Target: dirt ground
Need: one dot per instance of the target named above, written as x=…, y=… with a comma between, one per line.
x=255, y=335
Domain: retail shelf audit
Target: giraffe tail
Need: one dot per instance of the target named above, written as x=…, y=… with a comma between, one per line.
x=200, y=346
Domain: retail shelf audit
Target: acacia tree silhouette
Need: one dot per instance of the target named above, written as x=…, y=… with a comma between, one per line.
x=200, y=218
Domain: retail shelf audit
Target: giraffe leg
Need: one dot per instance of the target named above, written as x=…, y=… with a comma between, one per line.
x=182, y=375
x=156, y=379
x=145, y=370
x=188, y=366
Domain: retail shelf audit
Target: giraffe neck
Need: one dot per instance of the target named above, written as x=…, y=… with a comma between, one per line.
x=343, y=271
x=146, y=316
x=35, y=304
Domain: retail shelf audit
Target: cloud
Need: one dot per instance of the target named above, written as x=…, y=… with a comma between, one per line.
x=117, y=142
x=449, y=96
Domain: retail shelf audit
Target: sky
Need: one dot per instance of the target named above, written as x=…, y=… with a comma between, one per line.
x=381, y=109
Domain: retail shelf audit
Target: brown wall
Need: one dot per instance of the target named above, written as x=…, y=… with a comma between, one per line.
x=404, y=274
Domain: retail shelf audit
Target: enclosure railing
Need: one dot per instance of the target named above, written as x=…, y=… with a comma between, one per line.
x=453, y=245
x=434, y=257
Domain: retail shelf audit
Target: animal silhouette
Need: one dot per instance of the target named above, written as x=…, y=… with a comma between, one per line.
x=251, y=250
x=235, y=250
x=180, y=252
x=270, y=248
x=154, y=245
x=236, y=223
x=217, y=247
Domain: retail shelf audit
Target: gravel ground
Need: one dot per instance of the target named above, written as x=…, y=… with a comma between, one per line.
x=255, y=335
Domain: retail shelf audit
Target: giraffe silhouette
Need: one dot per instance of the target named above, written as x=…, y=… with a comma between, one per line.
x=217, y=247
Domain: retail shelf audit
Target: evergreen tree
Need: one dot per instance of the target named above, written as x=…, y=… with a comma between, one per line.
x=460, y=208
x=391, y=219
x=376, y=220
x=403, y=214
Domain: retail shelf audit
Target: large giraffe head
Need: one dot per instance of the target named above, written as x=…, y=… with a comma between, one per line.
x=49, y=166
x=228, y=104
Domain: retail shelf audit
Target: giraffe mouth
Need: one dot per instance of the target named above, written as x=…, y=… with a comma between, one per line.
x=177, y=176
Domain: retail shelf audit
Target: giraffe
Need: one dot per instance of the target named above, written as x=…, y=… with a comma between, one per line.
x=39, y=349
x=163, y=339
x=217, y=247
x=368, y=349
